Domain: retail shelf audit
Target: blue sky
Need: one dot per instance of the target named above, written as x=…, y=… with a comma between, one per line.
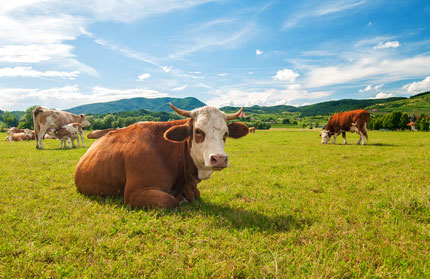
x=61, y=54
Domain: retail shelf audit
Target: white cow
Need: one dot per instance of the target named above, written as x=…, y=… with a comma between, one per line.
x=48, y=121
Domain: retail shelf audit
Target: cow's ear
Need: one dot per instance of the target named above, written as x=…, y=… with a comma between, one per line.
x=178, y=133
x=237, y=130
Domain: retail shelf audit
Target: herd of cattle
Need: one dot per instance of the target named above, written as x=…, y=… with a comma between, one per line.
x=158, y=164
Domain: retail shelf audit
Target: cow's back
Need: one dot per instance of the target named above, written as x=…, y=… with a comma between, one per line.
x=137, y=152
x=344, y=120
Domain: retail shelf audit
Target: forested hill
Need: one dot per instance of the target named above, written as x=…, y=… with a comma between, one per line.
x=155, y=105
x=319, y=108
x=342, y=105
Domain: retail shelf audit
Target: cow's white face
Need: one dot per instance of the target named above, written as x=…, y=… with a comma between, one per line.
x=84, y=121
x=325, y=137
x=208, y=131
x=209, y=134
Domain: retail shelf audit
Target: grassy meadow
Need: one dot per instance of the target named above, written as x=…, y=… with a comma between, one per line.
x=287, y=206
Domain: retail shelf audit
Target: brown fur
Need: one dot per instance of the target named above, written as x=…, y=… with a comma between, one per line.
x=342, y=121
x=96, y=134
x=139, y=163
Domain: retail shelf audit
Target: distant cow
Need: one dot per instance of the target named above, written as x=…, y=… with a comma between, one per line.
x=159, y=164
x=352, y=121
x=96, y=134
x=252, y=130
x=15, y=134
x=48, y=120
x=68, y=133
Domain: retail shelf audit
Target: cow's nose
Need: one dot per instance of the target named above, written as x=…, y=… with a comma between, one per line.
x=219, y=161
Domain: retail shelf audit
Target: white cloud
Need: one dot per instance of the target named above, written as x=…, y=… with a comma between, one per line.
x=143, y=76
x=222, y=74
x=292, y=95
x=382, y=95
x=167, y=68
x=418, y=86
x=389, y=44
x=67, y=96
x=286, y=75
x=258, y=52
x=179, y=88
x=369, y=68
x=370, y=88
x=29, y=72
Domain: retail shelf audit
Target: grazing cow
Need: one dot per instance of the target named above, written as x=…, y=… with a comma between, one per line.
x=69, y=133
x=96, y=134
x=159, y=164
x=48, y=120
x=252, y=130
x=352, y=121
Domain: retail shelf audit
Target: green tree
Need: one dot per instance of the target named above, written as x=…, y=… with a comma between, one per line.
x=8, y=118
x=26, y=121
x=108, y=120
x=404, y=120
x=97, y=124
x=392, y=120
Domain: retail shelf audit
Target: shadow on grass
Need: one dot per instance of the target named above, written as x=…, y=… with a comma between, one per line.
x=224, y=214
x=381, y=144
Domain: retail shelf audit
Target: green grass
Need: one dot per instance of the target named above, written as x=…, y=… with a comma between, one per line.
x=287, y=206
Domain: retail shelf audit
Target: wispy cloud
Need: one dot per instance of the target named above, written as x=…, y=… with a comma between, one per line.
x=371, y=88
x=329, y=7
x=29, y=72
x=143, y=76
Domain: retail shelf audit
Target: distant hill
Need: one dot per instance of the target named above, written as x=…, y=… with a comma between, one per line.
x=260, y=110
x=416, y=104
x=342, y=105
x=155, y=105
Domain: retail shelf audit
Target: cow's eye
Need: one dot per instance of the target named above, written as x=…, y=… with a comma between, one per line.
x=198, y=132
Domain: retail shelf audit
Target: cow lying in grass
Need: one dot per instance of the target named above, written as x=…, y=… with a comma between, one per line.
x=68, y=133
x=15, y=134
x=159, y=164
x=96, y=134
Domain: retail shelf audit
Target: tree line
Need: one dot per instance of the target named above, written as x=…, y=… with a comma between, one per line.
x=397, y=120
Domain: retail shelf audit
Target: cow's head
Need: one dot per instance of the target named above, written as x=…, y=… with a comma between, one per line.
x=325, y=136
x=84, y=120
x=208, y=131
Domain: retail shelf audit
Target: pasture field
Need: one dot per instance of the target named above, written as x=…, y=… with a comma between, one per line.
x=286, y=207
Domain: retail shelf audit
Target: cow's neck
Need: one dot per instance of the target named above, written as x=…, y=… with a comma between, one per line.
x=190, y=175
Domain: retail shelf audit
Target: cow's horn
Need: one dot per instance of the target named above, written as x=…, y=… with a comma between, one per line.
x=234, y=115
x=180, y=111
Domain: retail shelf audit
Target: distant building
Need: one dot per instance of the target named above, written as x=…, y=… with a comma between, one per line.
x=412, y=125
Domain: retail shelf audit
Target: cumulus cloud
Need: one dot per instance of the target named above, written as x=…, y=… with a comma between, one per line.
x=388, y=44
x=382, y=95
x=418, y=86
x=258, y=52
x=286, y=75
x=292, y=95
x=29, y=72
x=371, y=88
x=143, y=76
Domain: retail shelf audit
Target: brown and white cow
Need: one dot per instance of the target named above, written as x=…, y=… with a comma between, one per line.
x=68, y=133
x=96, y=134
x=48, y=120
x=252, y=130
x=15, y=134
x=159, y=164
x=351, y=121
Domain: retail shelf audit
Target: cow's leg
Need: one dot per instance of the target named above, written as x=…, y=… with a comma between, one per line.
x=334, y=137
x=82, y=139
x=149, y=198
x=69, y=140
x=344, y=137
x=39, y=139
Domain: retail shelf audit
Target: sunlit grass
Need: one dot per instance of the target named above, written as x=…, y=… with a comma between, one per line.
x=287, y=206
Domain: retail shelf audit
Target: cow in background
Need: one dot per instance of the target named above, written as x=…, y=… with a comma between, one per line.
x=252, y=130
x=159, y=164
x=96, y=134
x=351, y=121
x=15, y=134
x=48, y=120
x=68, y=133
